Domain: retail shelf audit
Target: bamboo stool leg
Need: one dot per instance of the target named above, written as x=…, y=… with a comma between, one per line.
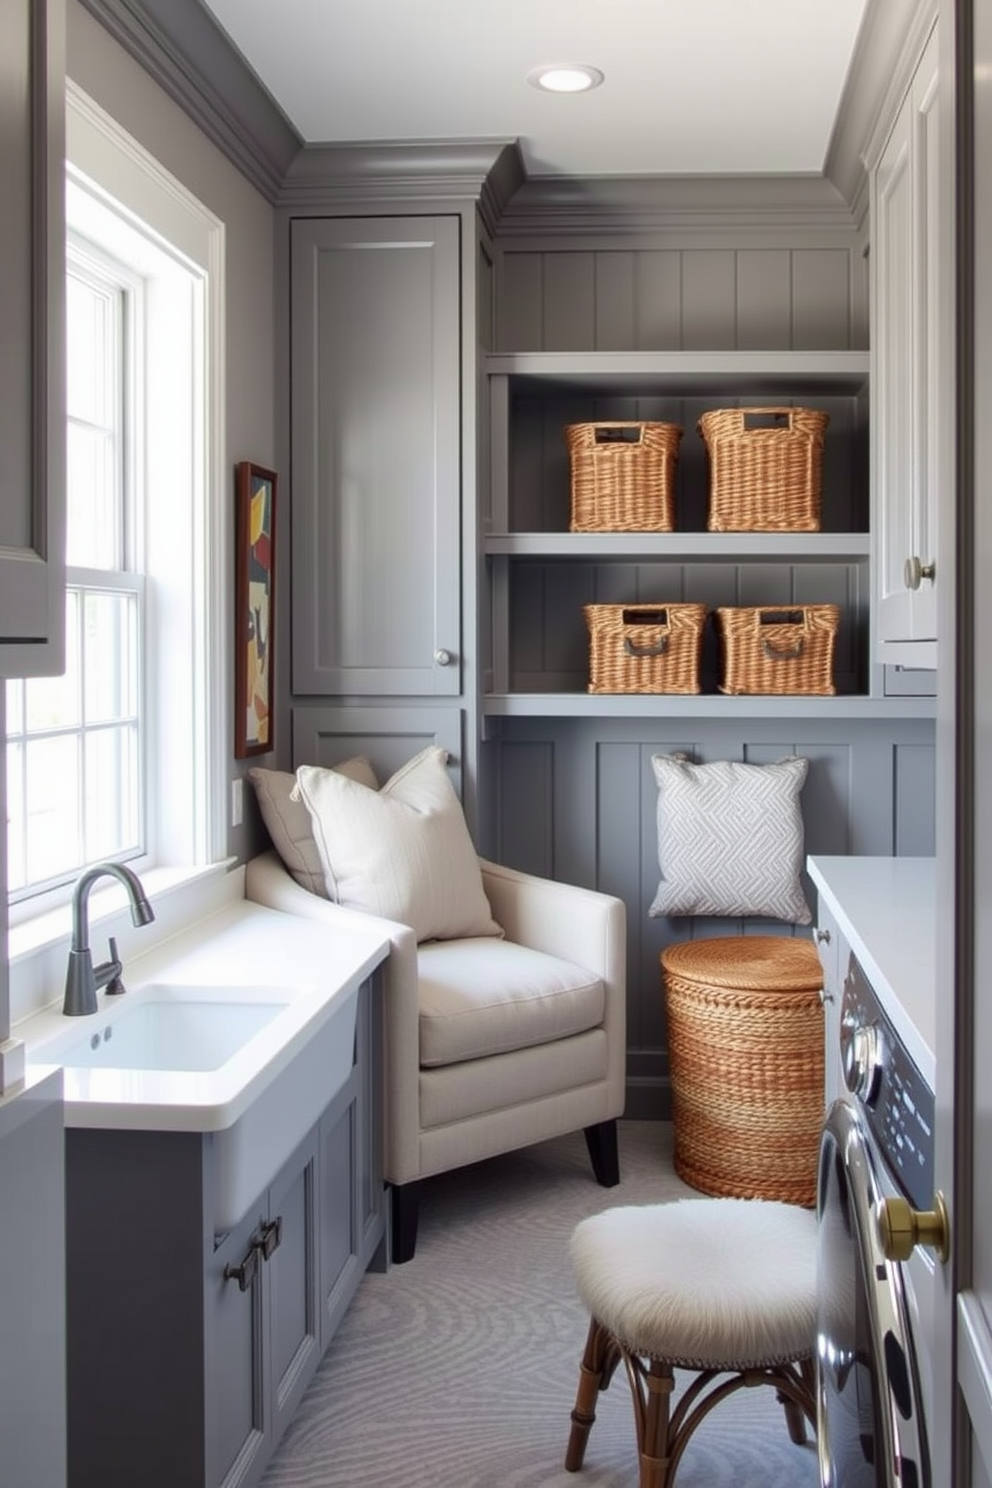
x=655, y=1446
x=599, y=1361
x=794, y=1419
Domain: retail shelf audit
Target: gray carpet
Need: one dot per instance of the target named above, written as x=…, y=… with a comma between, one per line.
x=459, y=1369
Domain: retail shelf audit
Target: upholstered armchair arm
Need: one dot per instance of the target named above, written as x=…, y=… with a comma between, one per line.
x=267, y=882
x=579, y=925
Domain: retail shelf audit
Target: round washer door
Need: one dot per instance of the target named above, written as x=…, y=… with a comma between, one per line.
x=870, y=1427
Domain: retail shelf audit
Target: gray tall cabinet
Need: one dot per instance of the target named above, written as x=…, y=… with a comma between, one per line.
x=389, y=290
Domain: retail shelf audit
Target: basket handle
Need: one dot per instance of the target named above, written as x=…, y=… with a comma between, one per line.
x=618, y=433
x=782, y=617
x=783, y=653
x=645, y=617
x=650, y=648
x=766, y=418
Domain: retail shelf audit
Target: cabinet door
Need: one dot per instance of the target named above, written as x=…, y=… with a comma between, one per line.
x=376, y=462
x=237, y=1386
x=288, y=1246
x=904, y=375
x=32, y=298
x=338, y=1226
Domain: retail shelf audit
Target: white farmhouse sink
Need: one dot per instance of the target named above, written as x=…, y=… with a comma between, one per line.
x=170, y=1028
x=243, y=1029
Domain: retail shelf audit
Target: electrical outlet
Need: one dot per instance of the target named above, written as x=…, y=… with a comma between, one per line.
x=237, y=802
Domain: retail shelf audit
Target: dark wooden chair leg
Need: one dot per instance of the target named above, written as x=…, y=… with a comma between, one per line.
x=601, y=1141
x=405, y=1204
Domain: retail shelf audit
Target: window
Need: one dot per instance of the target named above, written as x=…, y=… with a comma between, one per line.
x=125, y=756
x=75, y=743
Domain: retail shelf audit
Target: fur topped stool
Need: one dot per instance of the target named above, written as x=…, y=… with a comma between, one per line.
x=719, y=1286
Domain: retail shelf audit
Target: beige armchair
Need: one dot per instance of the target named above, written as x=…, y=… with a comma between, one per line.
x=491, y=1044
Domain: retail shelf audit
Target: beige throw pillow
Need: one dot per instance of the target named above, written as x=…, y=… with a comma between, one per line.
x=403, y=852
x=288, y=822
x=730, y=838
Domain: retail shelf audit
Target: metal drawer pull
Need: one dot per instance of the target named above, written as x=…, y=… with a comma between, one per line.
x=244, y=1274
x=271, y=1237
x=915, y=571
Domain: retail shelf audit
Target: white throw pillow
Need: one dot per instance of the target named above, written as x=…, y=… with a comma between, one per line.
x=403, y=852
x=730, y=838
x=288, y=822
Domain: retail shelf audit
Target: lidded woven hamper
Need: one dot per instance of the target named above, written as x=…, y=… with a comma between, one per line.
x=765, y=468
x=745, y=1048
x=645, y=648
x=623, y=475
x=768, y=650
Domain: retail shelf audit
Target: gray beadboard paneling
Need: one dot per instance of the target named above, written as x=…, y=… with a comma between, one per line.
x=636, y=295
x=577, y=800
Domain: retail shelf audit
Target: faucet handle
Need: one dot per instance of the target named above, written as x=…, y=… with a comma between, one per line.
x=114, y=985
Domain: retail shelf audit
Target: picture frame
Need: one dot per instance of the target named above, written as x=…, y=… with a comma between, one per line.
x=254, y=629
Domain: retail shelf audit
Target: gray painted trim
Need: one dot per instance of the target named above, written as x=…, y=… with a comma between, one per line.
x=218, y=90
x=550, y=205
x=900, y=75
x=400, y=171
x=883, y=38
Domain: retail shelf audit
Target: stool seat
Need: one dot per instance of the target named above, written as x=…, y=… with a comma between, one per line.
x=703, y=1283
x=724, y=1287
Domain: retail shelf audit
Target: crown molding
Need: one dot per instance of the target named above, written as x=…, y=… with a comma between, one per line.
x=217, y=90
x=550, y=205
x=891, y=38
x=488, y=171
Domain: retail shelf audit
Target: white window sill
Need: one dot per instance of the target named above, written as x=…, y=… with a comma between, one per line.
x=38, y=947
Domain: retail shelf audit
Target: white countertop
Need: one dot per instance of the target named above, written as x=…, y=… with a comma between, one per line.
x=886, y=910
x=302, y=962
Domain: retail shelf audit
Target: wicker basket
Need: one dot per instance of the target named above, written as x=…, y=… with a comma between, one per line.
x=623, y=476
x=766, y=467
x=645, y=648
x=745, y=1049
x=776, y=651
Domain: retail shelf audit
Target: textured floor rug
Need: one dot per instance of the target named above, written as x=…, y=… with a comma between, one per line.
x=459, y=1369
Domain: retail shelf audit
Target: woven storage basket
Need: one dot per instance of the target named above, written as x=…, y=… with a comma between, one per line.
x=774, y=651
x=645, y=648
x=766, y=467
x=745, y=1049
x=623, y=476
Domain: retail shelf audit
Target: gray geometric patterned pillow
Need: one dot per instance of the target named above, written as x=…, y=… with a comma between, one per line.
x=730, y=838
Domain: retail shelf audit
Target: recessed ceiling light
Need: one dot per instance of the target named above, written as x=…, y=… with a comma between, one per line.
x=565, y=77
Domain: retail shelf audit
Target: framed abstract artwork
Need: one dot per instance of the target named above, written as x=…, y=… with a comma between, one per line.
x=255, y=495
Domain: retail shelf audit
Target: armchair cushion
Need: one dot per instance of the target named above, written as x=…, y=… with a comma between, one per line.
x=484, y=996
x=403, y=852
x=288, y=822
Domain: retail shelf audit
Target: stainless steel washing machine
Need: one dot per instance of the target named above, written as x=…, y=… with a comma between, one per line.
x=872, y=1366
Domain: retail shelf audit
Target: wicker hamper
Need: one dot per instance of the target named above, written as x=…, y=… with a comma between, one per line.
x=769, y=650
x=745, y=1049
x=766, y=467
x=644, y=648
x=623, y=476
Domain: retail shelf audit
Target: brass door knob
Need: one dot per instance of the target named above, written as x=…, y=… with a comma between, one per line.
x=901, y=1228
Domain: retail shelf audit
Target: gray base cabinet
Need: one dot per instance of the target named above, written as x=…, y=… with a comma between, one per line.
x=188, y=1351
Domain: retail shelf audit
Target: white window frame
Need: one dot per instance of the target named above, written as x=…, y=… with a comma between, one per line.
x=189, y=680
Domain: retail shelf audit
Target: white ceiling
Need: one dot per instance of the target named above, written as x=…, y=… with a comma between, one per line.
x=692, y=86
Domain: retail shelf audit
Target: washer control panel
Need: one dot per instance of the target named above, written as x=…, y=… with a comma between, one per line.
x=896, y=1101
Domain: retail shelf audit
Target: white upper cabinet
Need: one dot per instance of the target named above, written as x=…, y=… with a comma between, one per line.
x=32, y=292
x=905, y=385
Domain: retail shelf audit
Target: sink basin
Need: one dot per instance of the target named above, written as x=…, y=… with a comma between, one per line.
x=171, y=1029
x=244, y=1031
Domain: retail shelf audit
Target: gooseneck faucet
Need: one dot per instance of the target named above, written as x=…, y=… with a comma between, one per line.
x=81, y=978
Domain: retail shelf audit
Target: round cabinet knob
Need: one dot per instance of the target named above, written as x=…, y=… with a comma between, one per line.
x=915, y=571
x=443, y=658
x=901, y=1228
